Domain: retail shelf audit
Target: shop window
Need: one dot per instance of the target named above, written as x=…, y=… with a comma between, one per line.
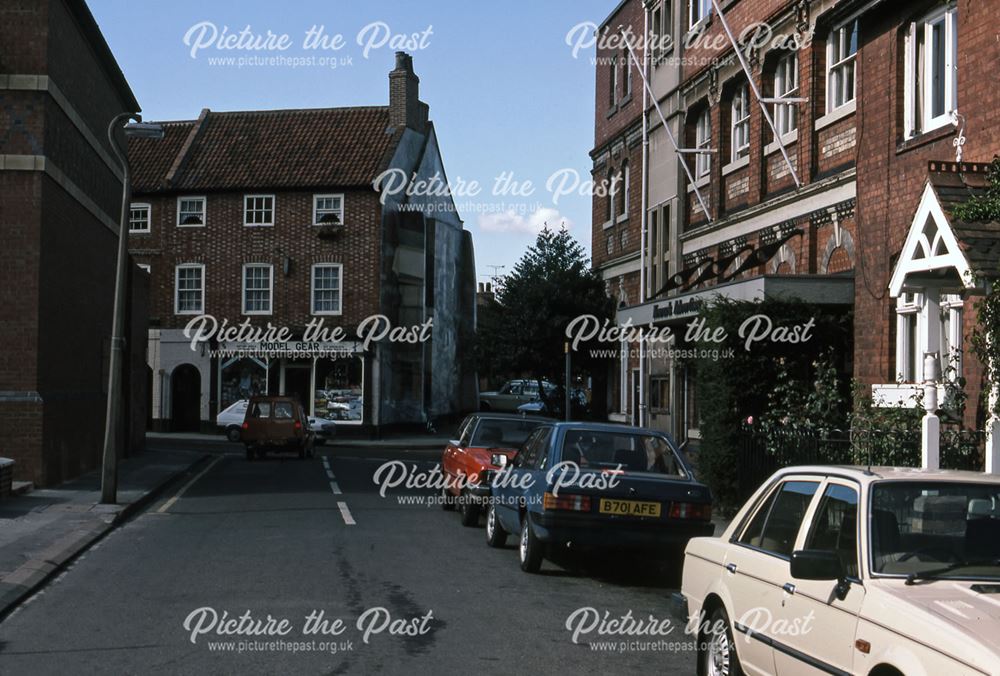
x=241, y=379
x=339, y=391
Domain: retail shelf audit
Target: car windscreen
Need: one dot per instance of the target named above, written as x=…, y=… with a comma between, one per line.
x=497, y=433
x=634, y=452
x=935, y=529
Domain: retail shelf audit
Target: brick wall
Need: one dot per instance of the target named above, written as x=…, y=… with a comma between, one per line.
x=224, y=244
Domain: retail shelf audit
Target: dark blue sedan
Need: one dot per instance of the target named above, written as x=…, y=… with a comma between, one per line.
x=593, y=485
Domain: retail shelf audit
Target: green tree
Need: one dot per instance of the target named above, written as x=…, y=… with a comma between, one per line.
x=523, y=330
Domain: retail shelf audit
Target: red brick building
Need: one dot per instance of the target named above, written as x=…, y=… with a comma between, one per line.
x=818, y=206
x=60, y=197
x=274, y=218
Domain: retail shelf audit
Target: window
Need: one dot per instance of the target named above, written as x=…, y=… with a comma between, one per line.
x=659, y=394
x=786, y=86
x=835, y=526
x=623, y=239
x=741, y=124
x=138, y=218
x=841, y=50
x=258, y=210
x=776, y=531
x=656, y=33
x=145, y=268
x=626, y=75
x=612, y=185
x=931, y=76
x=613, y=80
x=611, y=244
x=910, y=340
x=190, y=211
x=257, y=287
x=625, y=182
x=699, y=10
x=328, y=209
x=326, y=289
x=189, y=289
x=703, y=143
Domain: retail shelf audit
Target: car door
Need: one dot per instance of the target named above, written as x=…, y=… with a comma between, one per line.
x=756, y=569
x=820, y=626
x=509, y=487
x=451, y=460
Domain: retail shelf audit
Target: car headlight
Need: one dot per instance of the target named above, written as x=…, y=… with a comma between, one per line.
x=498, y=459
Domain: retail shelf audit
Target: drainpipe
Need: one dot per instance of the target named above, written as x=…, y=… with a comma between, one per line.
x=643, y=237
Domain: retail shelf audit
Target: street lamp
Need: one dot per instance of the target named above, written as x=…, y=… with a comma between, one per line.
x=112, y=422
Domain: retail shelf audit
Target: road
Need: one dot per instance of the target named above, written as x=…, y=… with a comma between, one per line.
x=281, y=538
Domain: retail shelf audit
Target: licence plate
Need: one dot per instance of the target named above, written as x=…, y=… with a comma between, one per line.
x=629, y=507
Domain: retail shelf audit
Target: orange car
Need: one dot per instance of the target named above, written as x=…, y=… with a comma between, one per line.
x=470, y=461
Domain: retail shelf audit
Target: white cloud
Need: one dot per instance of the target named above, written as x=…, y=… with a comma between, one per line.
x=511, y=221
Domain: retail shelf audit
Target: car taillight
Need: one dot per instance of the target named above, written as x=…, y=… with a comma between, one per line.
x=574, y=503
x=691, y=510
x=246, y=426
x=298, y=425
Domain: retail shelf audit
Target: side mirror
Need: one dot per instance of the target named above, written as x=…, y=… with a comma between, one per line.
x=499, y=459
x=816, y=564
x=455, y=442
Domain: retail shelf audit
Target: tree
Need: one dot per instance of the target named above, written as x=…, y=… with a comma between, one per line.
x=523, y=330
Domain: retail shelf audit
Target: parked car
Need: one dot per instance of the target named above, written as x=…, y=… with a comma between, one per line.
x=323, y=429
x=471, y=461
x=882, y=571
x=512, y=394
x=634, y=490
x=231, y=419
x=276, y=424
x=556, y=405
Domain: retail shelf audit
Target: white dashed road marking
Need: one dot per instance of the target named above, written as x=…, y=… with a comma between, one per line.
x=335, y=488
x=346, y=513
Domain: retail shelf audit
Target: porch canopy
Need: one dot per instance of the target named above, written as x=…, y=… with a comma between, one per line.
x=941, y=254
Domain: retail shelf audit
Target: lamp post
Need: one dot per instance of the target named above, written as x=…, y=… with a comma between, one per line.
x=112, y=422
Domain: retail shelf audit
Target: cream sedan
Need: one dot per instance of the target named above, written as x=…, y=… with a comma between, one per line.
x=847, y=570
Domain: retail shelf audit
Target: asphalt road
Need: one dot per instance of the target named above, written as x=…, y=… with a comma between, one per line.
x=279, y=537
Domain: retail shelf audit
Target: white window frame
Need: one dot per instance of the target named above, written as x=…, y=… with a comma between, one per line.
x=698, y=11
x=145, y=267
x=835, y=82
x=139, y=206
x=740, y=124
x=612, y=194
x=270, y=288
x=340, y=212
x=703, y=142
x=947, y=17
x=340, y=289
x=247, y=210
x=786, y=86
x=204, y=211
x=177, y=288
x=909, y=317
x=625, y=181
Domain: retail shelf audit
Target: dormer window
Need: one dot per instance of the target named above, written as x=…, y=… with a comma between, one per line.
x=191, y=212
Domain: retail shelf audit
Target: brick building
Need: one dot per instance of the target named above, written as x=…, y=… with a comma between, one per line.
x=60, y=200
x=820, y=206
x=273, y=218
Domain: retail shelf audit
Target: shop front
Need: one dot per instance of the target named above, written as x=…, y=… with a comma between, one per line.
x=328, y=378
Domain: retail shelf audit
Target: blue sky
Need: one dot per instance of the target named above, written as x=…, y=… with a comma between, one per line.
x=505, y=90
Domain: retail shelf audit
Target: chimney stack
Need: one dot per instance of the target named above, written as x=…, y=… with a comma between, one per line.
x=405, y=107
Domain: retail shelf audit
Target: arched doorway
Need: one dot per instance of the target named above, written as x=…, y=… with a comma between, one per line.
x=185, y=399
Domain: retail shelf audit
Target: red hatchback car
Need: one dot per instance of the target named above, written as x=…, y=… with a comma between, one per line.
x=470, y=461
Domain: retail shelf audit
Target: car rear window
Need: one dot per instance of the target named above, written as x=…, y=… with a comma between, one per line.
x=633, y=452
x=503, y=433
x=261, y=409
x=282, y=410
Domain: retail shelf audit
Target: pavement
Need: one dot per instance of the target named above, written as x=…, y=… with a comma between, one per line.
x=200, y=581
x=423, y=441
x=42, y=530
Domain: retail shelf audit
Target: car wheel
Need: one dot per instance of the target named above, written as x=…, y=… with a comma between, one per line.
x=719, y=657
x=469, y=511
x=447, y=500
x=530, y=549
x=496, y=536
x=233, y=434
